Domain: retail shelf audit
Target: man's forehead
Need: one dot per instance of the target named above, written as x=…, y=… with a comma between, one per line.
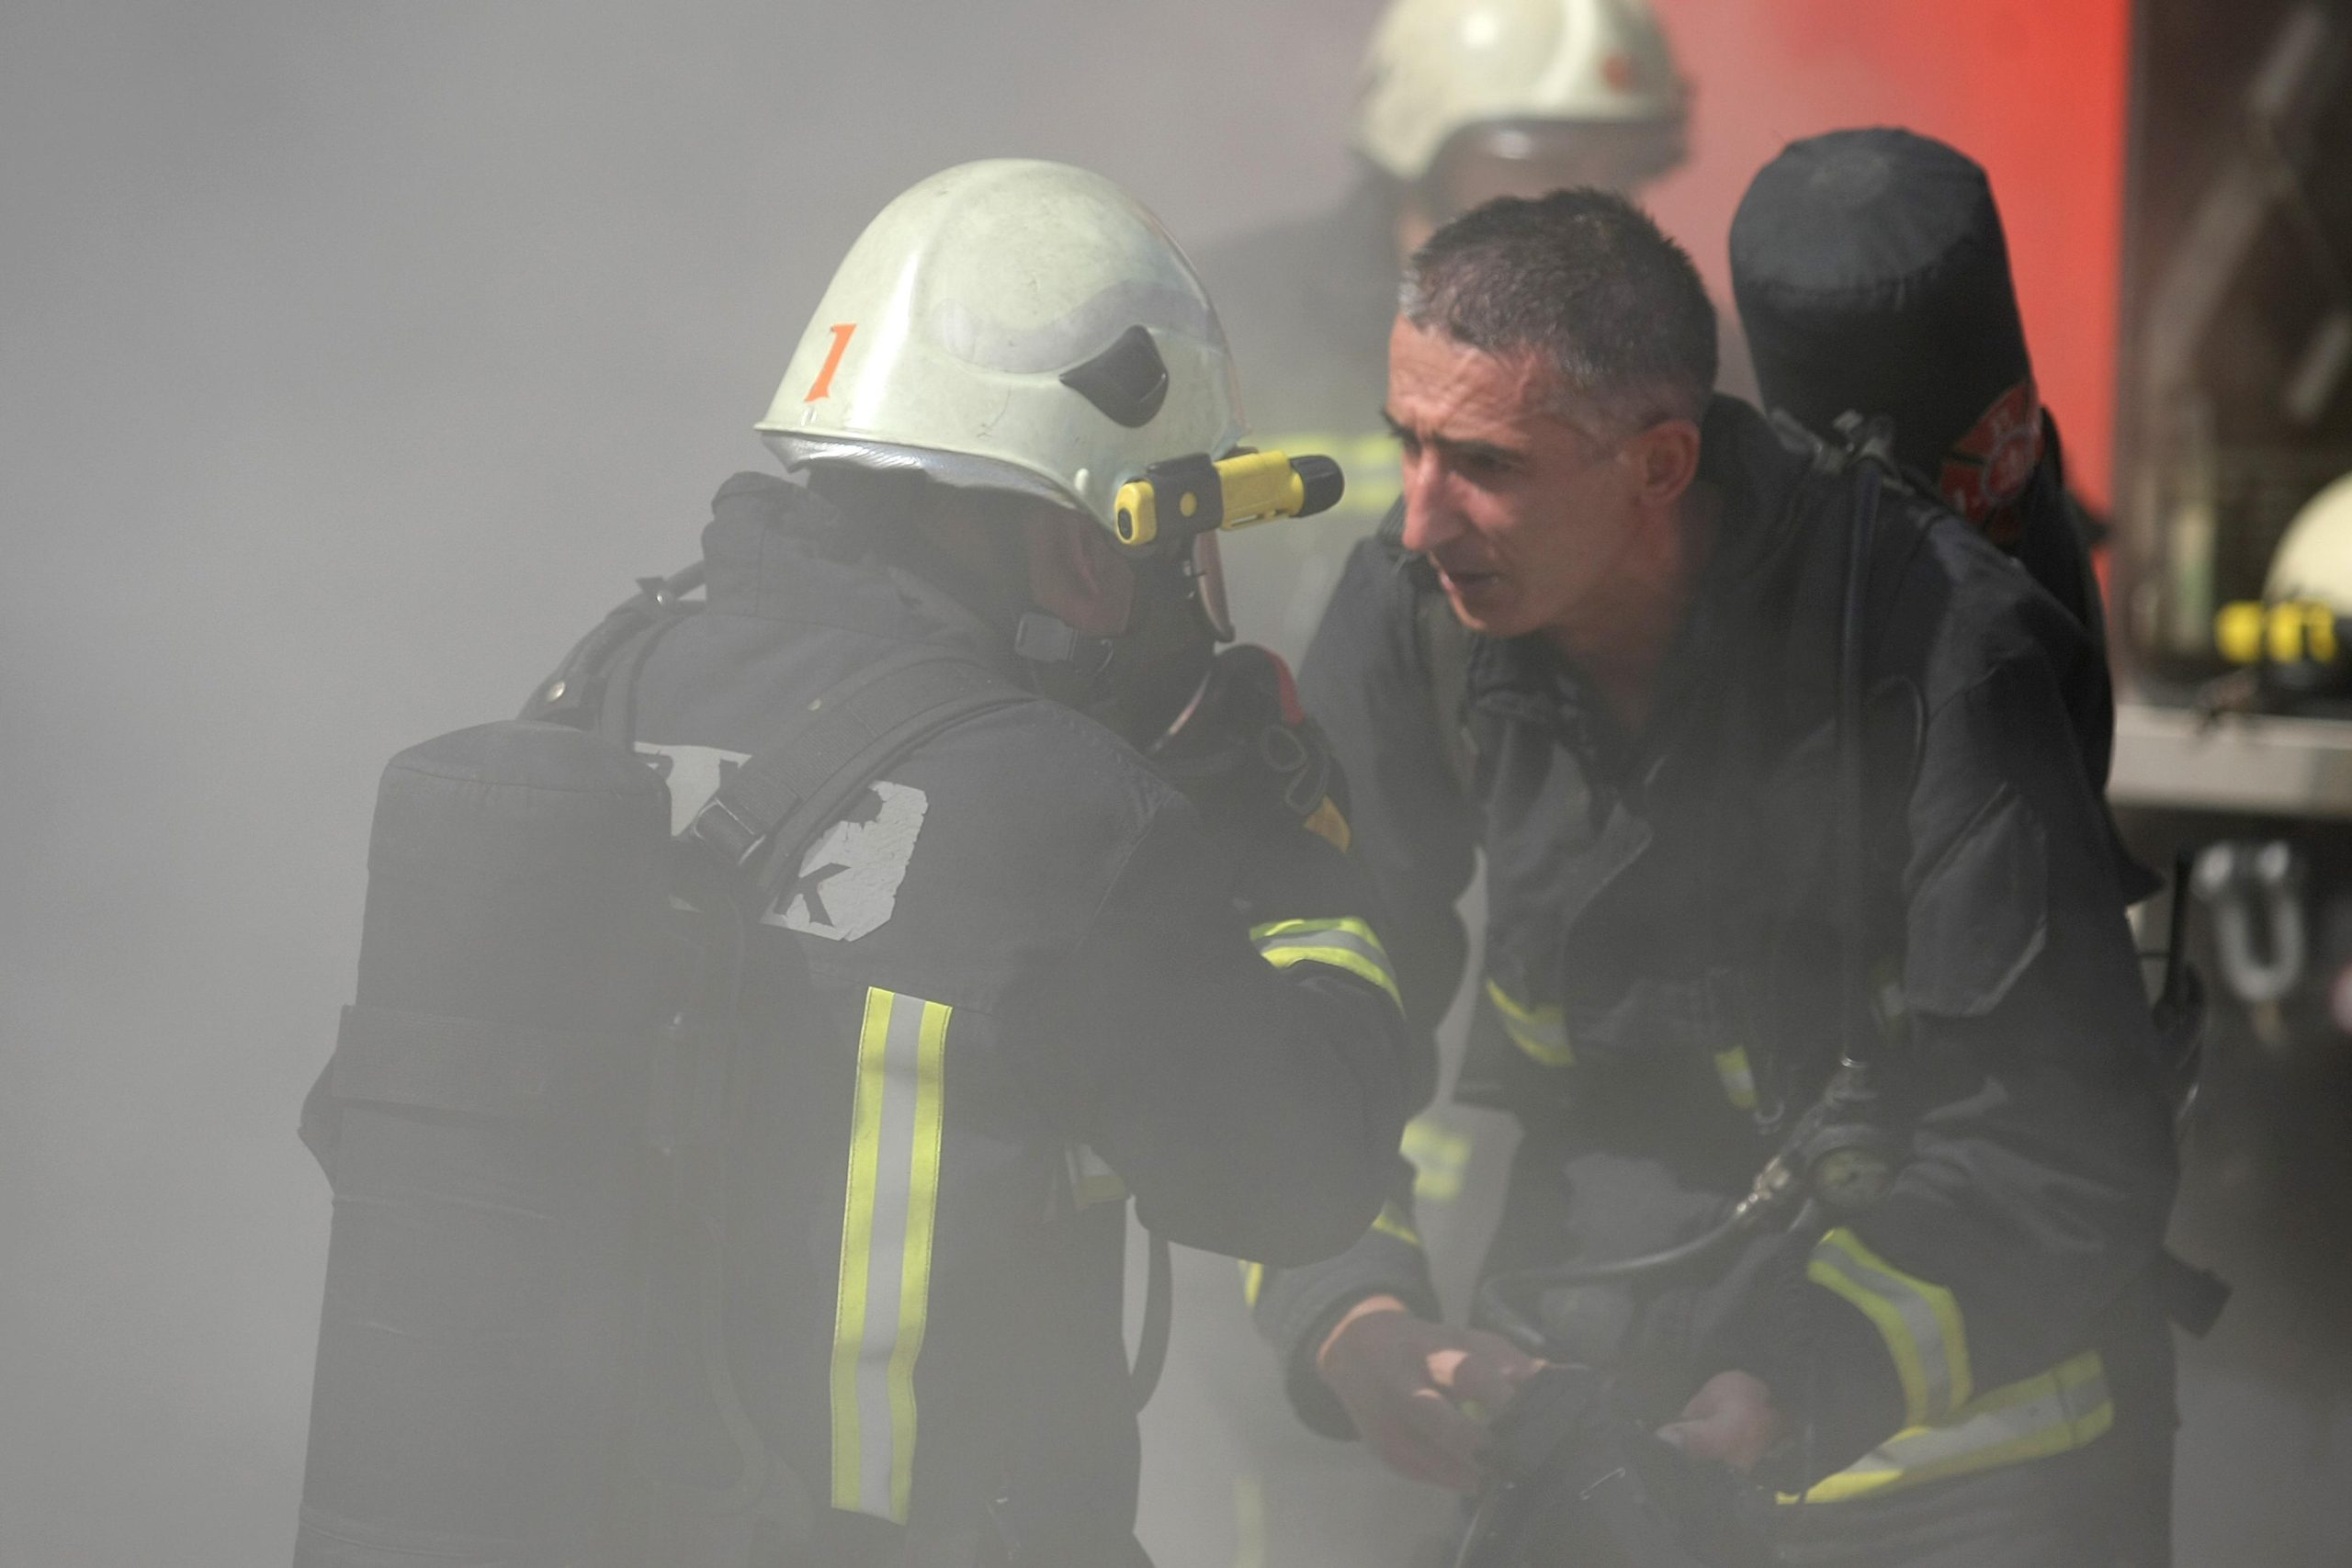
x=1436, y=384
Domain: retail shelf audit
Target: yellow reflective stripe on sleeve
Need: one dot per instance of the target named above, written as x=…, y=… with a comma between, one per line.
x=1920, y=1321
x=2063, y=1409
x=1739, y=1078
x=887, y=1215
x=1394, y=1220
x=1540, y=1032
x=1348, y=945
x=1253, y=1279
x=1439, y=1156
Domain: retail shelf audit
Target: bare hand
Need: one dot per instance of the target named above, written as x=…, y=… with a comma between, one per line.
x=1731, y=1418
x=1420, y=1392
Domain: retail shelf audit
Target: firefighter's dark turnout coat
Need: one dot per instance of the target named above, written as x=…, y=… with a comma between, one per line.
x=1661, y=963
x=1038, y=998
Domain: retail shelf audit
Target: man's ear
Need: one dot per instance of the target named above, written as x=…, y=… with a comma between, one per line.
x=1077, y=574
x=1666, y=460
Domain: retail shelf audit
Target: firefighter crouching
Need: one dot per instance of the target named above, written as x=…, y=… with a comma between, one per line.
x=1036, y=978
x=1746, y=815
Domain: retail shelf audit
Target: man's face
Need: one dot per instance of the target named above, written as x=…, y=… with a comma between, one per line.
x=1527, y=509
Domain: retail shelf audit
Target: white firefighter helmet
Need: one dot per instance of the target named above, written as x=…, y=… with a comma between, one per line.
x=1437, y=67
x=1012, y=325
x=2313, y=562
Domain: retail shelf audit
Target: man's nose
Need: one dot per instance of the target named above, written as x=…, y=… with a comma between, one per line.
x=1428, y=521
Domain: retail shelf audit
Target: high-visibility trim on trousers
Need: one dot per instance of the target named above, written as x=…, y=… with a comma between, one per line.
x=1540, y=1032
x=893, y=1198
x=1920, y=1323
x=1739, y=1078
x=2063, y=1409
x=1348, y=946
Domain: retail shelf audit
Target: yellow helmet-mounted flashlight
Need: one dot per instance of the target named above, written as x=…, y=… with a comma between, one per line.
x=1185, y=496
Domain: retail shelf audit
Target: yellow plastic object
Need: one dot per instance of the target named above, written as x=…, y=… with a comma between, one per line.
x=2302, y=630
x=1134, y=513
x=2295, y=631
x=1262, y=485
x=2237, y=631
x=1252, y=488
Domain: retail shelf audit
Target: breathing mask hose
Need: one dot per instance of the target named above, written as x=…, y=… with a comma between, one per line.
x=1776, y=1187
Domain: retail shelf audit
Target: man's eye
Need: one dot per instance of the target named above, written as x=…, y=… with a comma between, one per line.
x=1409, y=443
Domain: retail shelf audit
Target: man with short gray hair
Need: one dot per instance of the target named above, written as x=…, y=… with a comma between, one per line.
x=1784, y=829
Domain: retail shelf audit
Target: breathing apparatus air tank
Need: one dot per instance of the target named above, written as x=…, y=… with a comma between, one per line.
x=480, y=1121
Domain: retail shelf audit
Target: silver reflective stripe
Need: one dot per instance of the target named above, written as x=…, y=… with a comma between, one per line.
x=1920, y=1321
x=892, y=1200
x=1348, y=946
x=2063, y=1409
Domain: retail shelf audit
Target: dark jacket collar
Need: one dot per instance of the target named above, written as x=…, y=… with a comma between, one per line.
x=777, y=551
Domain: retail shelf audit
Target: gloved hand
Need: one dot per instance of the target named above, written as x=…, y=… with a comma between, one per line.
x=1246, y=754
x=1731, y=1418
x=1420, y=1394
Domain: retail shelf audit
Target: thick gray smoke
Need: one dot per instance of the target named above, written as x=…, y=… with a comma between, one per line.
x=354, y=359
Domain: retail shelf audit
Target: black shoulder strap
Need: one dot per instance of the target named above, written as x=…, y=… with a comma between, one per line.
x=574, y=694
x=612, y=690
x=802, y=780
x=799, y=782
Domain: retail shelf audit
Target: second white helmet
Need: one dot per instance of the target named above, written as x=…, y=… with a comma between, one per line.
x=1438, y=67
x=2314, y=556
x=1016, y=325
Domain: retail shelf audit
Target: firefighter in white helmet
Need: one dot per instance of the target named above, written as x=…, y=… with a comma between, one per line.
x=1052, y=979
x=1466, y=100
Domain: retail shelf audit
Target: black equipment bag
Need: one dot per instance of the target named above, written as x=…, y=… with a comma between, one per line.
x=524, y=1349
